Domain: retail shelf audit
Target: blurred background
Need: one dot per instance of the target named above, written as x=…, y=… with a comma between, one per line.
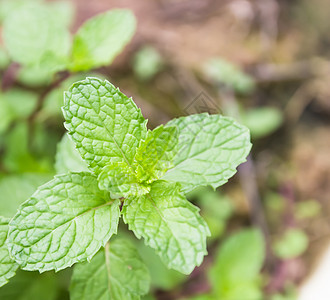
x=265, y=63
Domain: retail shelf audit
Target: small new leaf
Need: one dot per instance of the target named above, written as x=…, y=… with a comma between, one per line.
x=209, y=150
x=101, y=39
x=115, y=273
x=170, y=224
x=105, y=125
x=119, y=180
x=8, y=266
x=155, y=155
x=65, y=221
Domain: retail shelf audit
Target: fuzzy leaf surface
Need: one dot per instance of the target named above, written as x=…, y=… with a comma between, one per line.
x=8, y=266
x=65, y=221
x=170, y=224
x=102, y=38
x=115, y=273
x=154, y=155
x=209, y=150
x=105, y=125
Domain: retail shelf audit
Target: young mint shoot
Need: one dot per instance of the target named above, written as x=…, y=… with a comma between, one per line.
x=134, y=173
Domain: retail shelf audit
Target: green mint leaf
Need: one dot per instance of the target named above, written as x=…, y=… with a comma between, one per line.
x=105, y=125
x=262, y=121
x=155, y=155
x=209, y=150
x=68, y=158
x=65, y=221
x=292, y=244
x=203, y=297
x=22, y=102
x=8, y=266
x=6, y=115
x=15, y=189
x=170, y=224
x=119, y=180
x=101, y=39
x=32, y=286
x=226, y=73
x=32, y=32
x=115, y=273
x=64, y=11
x=237, y=266
x=153, y=158
x=161, y=277
x=35, y=75
x=147, y=63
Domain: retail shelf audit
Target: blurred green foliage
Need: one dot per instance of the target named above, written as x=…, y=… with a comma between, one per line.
x=147, y=63
x=36, y=34
x=226, y=73
x=262, y=121
x=237, y=266
x=291, y=244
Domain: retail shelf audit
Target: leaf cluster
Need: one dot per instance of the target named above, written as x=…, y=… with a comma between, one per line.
x=120, y=169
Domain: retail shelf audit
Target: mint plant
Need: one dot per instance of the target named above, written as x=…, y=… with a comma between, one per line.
x=37, y=37
x=138, y=174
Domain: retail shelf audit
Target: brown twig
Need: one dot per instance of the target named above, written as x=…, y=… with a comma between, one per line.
x=62, y=76
x=9, y=76
x=31, y=119
x=248, y=179
x=300, y=70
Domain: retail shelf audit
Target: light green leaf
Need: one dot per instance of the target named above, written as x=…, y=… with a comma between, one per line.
x=64, y=11
x=8, y=266
x=119, y=180
x=155, y=155
x=148, y=297
x=170, y=224
x=237, y=266
x=293, y=243
x=115, y=273
x=22, y=102
x=250, y=290
x=6, y=7
x=20, y=159
x=210, y=149
x=105, y=125
x=307, y=209
x=161, y=277
x=147, y=63
x=225, y=72
x=31, y=286
x=6, y=115
x=32, y=31
x=68, y=158
x=52, y=107
x=262, y=121
x=15, y=189
x=101, y=39
x=216, y=209
x=203, y=297
x=35, y=76
x=65, y=221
